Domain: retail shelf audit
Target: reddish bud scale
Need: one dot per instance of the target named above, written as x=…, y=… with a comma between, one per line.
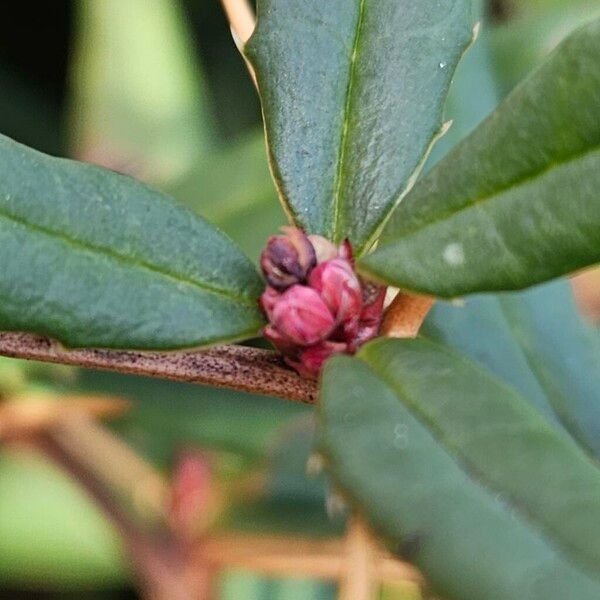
x=315, y=302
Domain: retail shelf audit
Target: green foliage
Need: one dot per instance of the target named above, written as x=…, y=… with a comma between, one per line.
x=233, y=189
x=448, y=455
x=478, y=469
x=514, y=203
x=537, y=342
x=352, y=96
x=52, y=536
x=94, y=258
x=138, y=102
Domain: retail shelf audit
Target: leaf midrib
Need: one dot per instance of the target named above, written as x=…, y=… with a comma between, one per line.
x=530, y=177
x=477, y=477
x=346, y=126
x=127, y=260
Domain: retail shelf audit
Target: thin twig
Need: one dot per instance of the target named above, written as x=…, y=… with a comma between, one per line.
x=236, y=367
x=405, y=315
x=25, y=414
x=275, y=556
x=160, y=562
x=242, y=22
x=359, y=581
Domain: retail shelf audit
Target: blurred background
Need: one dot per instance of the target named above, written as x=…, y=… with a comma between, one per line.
x=157, y=89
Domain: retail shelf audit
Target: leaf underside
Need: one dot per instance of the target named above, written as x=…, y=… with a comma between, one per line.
x=502, y=505
x=516, y=203
x=536, y=341
x=352, y=94
x=93, y=258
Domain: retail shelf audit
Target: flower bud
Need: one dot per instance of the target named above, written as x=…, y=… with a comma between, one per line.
x=311, y=360
x=370, y=316
x=315, y=302
x=287, y=259
x=339, y=288
x=301, y=316
x=324, y=249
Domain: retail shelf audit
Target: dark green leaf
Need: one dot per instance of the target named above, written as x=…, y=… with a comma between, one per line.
x=94, y=258
x=516, y=203
x=434, y=449
x=537, y=342
x=352, y=94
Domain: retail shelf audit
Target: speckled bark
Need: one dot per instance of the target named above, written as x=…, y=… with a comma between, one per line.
x=236, y=367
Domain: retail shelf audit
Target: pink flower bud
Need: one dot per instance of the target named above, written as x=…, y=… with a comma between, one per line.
x=370, y=316
x=339, y=287
x=287, y=259
x=316, y=304
x=268, y=300
x=324, y=249
x=301, y=316
x=311, y=360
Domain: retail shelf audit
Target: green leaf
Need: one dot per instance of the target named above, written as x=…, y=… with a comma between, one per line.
x=52, y=535
x=496, y=503
x=473, y=94
x=139, y=103
x=536, y=341
x=237, y=193
x=533, y=30
x=352, y=95
x=94, y=258
x=516, y=202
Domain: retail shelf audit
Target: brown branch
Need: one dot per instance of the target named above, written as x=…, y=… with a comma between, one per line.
x=236, y=367
x=405, y=315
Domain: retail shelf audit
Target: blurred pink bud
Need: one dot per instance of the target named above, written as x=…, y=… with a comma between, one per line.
x=301, y=316
x=339, y=287
x=191, y=490
x=311, y=360
x=324, y=249
x=288, y=258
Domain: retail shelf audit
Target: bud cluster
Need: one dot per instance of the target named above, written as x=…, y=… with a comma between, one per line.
x=315, y=302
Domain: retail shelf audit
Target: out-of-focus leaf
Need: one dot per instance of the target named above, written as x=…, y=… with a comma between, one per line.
x=474, y=90
x=352, y=95
x=291, y=500
x=502, y=505
x=516, y=202
x=234, y=190
x=139, y=103
x=94, y=258
x=51, y=534
x=168, y=416
x=25, y=115
x=235, y=585
x=532, y=31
